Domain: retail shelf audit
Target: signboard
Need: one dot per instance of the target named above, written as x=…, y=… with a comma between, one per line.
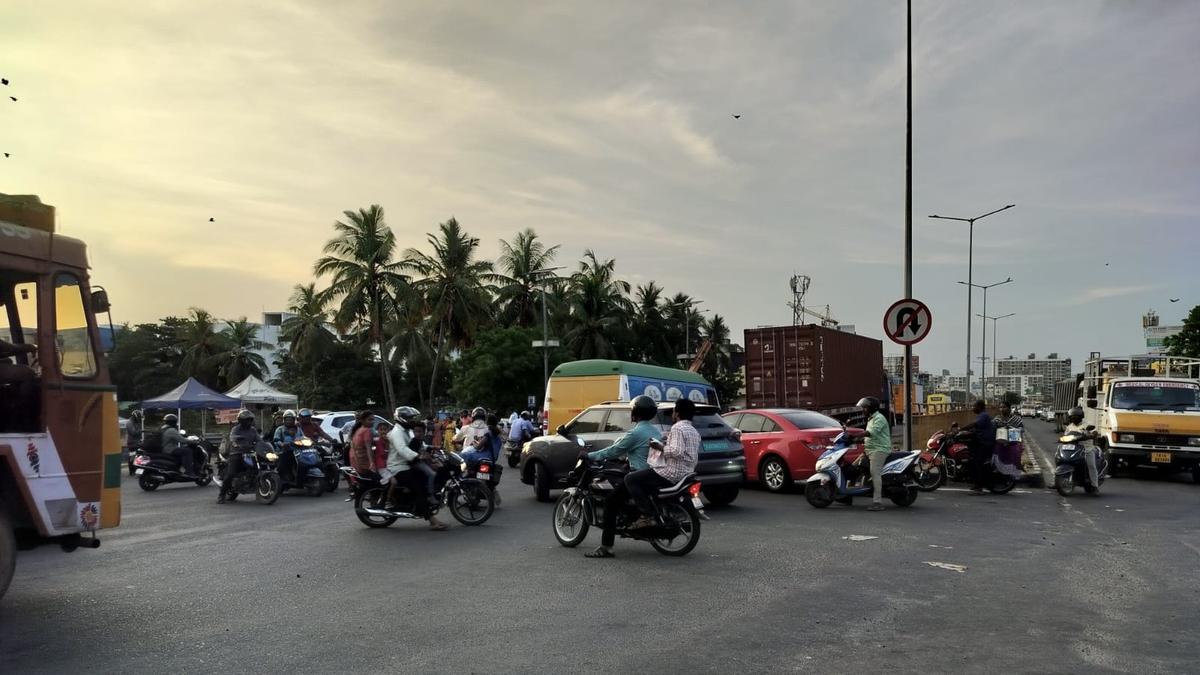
x=531, y=402
x=907, y=322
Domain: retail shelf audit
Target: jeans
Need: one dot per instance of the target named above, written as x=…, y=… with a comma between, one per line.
x=878, y=459
x=641, y=485
x=477, y=455
x=233, y=467
x=428, y=473
x=613, y=505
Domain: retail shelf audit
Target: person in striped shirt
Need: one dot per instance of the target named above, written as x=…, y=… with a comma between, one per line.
x=669, y=462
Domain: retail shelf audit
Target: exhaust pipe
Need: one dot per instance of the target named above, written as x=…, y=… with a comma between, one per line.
x=383, y=513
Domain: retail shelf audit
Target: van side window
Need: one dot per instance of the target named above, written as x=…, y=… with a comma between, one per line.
x=72, y=339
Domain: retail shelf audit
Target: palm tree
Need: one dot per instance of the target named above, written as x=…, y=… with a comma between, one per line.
x=455, y=288
x=408, y=342
x=305, y=331
x=524, y=265
x=719, y=357
x=651, y=327
x=239, y=359
x=598, y=307
x=359, y=259
x=199, y=342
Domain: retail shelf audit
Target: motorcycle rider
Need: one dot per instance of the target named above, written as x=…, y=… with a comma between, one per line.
x=1075, y=425
x=982, y=448
x=287, y=434
x=488, y=446
x=311, y=427
x=635, y=445
x=878, y=446
x=408, y=419
x=403, y=460
x=669, y=462
x=243, y=438
x=472, y=432
x=173, y=445
x=133, y=432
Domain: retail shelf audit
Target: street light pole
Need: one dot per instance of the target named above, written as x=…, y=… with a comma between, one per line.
x=970, y=278
x=983, y=350
x=995, y=320
x=545, y=333
x=687, y=321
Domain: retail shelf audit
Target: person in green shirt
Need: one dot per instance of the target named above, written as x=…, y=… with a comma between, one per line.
x=878, y=446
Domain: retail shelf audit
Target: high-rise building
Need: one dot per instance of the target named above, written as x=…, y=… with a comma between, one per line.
x=1051, y=369
x=894, y=366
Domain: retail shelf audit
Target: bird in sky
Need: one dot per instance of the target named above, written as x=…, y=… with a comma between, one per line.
x=1174, y=299
x=14, y=98
x=736, y=117
x=3, y=81
x=6, y=154
x=211, y=220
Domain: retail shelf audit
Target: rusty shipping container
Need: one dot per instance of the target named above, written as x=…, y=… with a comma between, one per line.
x=812, y=367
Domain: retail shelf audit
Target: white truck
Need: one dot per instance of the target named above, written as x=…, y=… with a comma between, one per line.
x=1146, y=410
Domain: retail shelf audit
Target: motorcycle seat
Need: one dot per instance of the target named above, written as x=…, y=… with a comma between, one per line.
x=678, y=487
x=896, y=455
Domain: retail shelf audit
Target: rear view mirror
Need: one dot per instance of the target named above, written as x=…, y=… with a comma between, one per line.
x=1091, y=391
x=579, y=441
x=100, y=303
x=1092, y=403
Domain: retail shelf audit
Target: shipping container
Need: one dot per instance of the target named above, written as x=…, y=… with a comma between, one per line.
x=814, y=368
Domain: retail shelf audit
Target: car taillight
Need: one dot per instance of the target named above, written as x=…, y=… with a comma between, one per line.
x=736, y=435
x=694, y=489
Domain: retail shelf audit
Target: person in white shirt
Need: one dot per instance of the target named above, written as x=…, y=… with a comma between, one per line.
x=1075, y=424
x=469, y=435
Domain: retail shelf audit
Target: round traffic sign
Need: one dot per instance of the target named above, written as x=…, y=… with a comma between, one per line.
x=907, y=322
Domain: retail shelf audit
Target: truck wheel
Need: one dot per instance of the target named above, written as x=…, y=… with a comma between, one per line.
x=541, y=482
x=8, y=551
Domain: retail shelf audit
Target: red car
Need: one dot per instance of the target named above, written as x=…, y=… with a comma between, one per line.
x=782, y=444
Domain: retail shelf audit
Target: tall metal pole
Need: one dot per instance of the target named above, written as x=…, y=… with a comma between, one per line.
x=983, y=353
x=908, y=240
x=970, y=296
x=545, y=347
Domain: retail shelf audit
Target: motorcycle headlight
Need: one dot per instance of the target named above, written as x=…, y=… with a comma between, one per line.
x=579, y=462
x=271, y=457
x=462, y=466
x=1125, y=438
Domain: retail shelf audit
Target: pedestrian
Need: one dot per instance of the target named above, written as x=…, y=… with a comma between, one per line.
x=983, y=447
x=362, y=443
x=878, y=446
x=133, y=433
x=448, y=433
x=437, y=431
x=1008, y=434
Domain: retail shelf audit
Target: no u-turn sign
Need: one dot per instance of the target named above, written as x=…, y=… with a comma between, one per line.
x=907, y=322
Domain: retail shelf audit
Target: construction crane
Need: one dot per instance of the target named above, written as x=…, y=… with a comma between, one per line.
x=701, y=353
x=799, y=285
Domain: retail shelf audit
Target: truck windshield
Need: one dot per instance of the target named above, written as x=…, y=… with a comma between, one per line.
x=1156, y=396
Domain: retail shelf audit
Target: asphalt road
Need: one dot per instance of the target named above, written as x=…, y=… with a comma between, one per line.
x=1095, y=584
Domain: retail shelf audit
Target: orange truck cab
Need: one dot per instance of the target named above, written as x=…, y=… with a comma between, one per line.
x=60, y=456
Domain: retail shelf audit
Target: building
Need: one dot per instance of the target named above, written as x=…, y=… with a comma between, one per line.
x=1050, y=369
x=1156, y=334
x=894, y=366
x=1028, y=386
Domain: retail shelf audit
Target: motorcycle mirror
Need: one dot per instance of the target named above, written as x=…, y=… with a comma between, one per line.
x=579, y=441
x=1091, y=427
x=561, y=430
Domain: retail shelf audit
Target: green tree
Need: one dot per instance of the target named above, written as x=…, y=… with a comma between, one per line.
x=305, y=331
x=239, y=358
x=199, y=342
x=455, y=287
x=598, y=306
x=1011, y=398
x=352, y=381
x=364, y=277
x=501, y=370
x=524, y=264
x=651, y=326
x=144, y=362
x=717, y=366
x=1187, y=341
x=409, y=345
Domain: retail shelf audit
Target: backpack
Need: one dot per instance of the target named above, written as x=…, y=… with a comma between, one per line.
x=152, y=442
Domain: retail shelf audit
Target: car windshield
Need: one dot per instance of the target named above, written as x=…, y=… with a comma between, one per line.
x=1156, y=396
x=807, y=419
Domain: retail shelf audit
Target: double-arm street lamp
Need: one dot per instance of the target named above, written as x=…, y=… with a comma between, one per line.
x=970, y=278
x=985, y=287
x=995, y=363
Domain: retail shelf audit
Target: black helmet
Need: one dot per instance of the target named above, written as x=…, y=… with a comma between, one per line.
x=479, y=413
x=245, y=415
x=643, y=408
x=870, y=403
x=171, y=420
x=1075, y=415
x=406, y=416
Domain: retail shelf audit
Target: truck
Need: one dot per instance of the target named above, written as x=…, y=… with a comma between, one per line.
x=60, y=455
x=1066, y=396
x=814, y=368
x=577, y=385
x=1146, y=409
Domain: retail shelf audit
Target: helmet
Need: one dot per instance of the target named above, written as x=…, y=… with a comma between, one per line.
x=406, y=416
x=643, y=408
x=171, y=419
x=136, y=414
x=305, y=412
x=479, y=413
x=289, y=413
x=869, y=402
x=1075, y=415
x=245, y=415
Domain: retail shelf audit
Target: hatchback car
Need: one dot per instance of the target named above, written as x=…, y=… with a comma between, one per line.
x=782, y=444
x=333, y=423
x=547, y=460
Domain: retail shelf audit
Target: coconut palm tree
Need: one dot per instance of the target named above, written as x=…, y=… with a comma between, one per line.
x=456, y=288
x=198, y=342
x=408, y=338
x=238, y=359
x=598, y=307
x=364, y=275
x=651, y=327
x=305, y=331
x=523, y=269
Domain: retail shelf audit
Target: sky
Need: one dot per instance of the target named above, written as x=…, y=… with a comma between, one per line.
x=609, y=126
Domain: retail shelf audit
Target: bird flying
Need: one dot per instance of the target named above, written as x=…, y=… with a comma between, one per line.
x=1174, y=299
x=211, y=220
x=736, y=117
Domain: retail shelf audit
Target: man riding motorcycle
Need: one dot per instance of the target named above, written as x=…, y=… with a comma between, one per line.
x=287, y=434
x=470, y=434
x=1075, y=424
x=243, y=438
x=634, y=444
x=172, y=444
x=311, y=427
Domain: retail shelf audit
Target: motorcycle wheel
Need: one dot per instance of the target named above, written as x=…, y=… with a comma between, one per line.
x=269, y=487
x=471, y=503
x=1002, y=485
x=1065, y=484
x=206, y=476
x=930, y=477
x=514, y=460
x=904, y=496
x=819, y=495
x=373, y=498
x=146, y=484
x=688, y=522
x=314, y=487
x=333, y=477
x=570, y=525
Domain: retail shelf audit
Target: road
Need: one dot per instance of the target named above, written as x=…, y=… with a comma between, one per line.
x=1097, y=584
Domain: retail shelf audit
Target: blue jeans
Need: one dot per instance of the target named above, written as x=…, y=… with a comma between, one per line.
x=472, y=456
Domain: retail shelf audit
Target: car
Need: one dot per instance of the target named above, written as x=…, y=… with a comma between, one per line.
x=546, y=461
x=782, y=444
x=333, y=422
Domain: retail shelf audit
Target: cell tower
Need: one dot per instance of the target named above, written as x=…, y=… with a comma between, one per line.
x=800, y=284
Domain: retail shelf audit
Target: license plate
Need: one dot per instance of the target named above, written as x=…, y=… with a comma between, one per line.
x=697, y=503
x=1160, y=457
x=138, y=472
x=485, y=477
x=712, y=445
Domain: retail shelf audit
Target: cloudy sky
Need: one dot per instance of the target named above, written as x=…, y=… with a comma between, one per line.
x=608, y=126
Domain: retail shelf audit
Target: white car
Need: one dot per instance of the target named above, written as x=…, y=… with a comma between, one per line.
x=332, y=423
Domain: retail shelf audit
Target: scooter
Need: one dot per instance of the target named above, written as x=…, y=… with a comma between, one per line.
x=155, y=469
x=1071, y=468
x=303, y=471
x=835, y=475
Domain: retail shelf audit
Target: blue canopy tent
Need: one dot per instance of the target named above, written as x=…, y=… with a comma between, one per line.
x=191, y=395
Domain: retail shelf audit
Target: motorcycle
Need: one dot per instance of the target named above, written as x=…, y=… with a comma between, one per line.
x=949, y=458
x=257, y=477
x=1070, y=467
x=835, y=475
x=678, y=509
x=513, y=450
x=486, y=471
x=300, y=468
x=469, y=499
x=155, y=468
x=332, y=455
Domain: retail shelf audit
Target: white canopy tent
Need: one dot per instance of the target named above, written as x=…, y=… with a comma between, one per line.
x=253, y=391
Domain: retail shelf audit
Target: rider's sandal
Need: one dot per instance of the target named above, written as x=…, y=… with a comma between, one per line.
x=440, y=527
x=600, y=552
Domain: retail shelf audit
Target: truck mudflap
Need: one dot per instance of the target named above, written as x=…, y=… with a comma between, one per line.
x=54, y=506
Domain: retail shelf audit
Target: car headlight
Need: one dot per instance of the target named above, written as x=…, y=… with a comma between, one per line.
x=1194, y=441
x=1125, y=438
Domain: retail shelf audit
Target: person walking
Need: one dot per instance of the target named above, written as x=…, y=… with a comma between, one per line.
x=878, y=446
